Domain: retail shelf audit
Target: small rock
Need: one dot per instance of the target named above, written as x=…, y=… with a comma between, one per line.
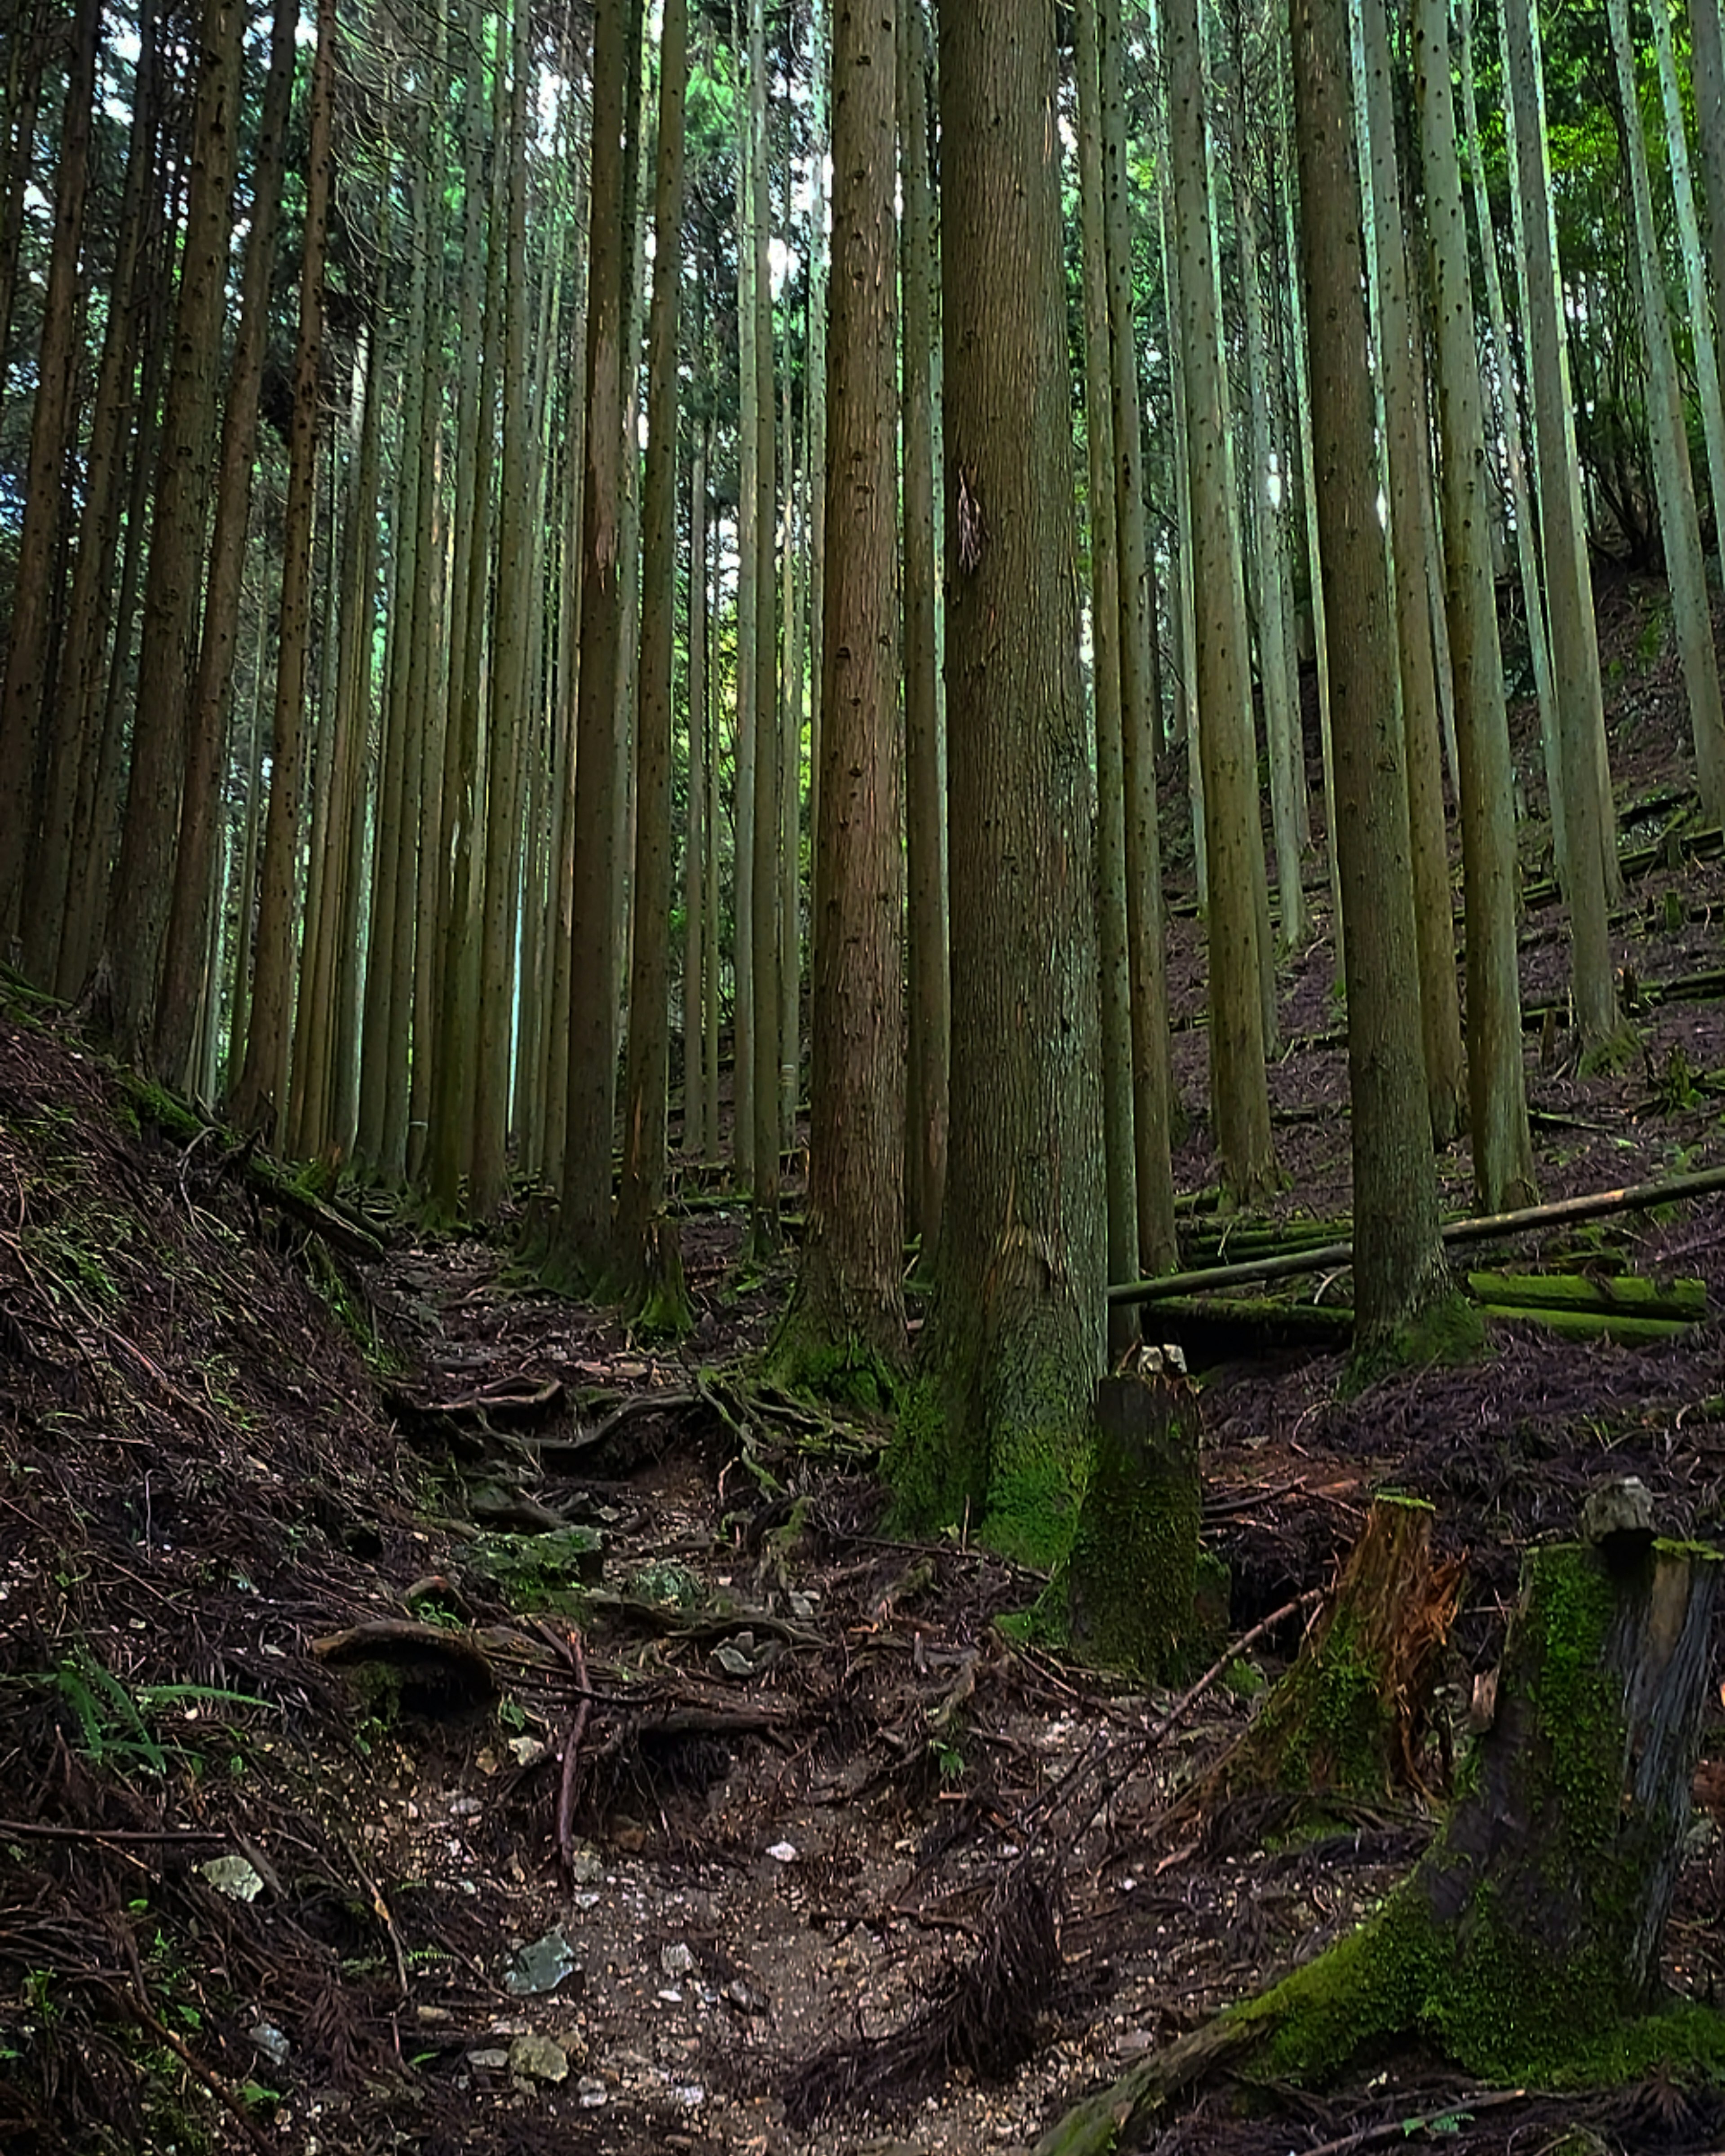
x=538, y=2058
x=675, y=1960
x=527, y=1751
x=269, y=2040
x=586, y=1866
x=591, y=2093
x=466, y=1808
x=495, y=2060
x=541, y=1967
x=234, y=1878
x=784, y=1852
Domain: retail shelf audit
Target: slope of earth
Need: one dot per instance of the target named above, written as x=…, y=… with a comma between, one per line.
x=431, y=1719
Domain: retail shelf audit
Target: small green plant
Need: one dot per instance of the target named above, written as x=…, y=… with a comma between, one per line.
x=113, y=1726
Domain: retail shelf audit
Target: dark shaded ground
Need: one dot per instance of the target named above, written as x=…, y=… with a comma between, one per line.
x=817, y=1801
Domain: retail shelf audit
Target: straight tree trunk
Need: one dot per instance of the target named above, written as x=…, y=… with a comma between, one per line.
x=207, y=726
x=25, y=687
x=1507, y=420
x=927, y=1075
x=749, y=571
x=1497, y=1105
x=141, y=889
x=1413, y=541
x=1281, y=691
x=1707, y=61
x=258, y=1097
x=1233, y=831
x=1575, y=652
x=582, y=1246
x=763, y=1210
x=1013, y=1341
x=845, y=1330
x=1140, y=696
x=1399, y=1266
x=1115, y=975
x=695, y=954
x=506, y=718
x=648, y=1273
x=75, y=730
x=1680, y=524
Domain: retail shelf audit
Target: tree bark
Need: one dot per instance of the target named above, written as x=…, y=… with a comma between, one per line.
x=647, y=1268
x=1234, y=841
x=1497, y=1104
x=262, y=1085
x=1014, y=1340
x=1398, y=1270
x=845, y=1330
x=25, y=687
x=583, y=1239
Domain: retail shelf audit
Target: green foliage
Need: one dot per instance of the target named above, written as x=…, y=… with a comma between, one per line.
x=113, y=1724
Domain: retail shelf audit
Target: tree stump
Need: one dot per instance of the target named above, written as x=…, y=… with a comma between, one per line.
x=1349, y=1718
x=1131, y=1570
x=1525, y=1944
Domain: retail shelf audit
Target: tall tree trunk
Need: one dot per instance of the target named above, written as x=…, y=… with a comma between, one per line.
x=763, y=1210
x=513, y=593
x=75, y=730
x=1508, y=423
x=845, y=1328
x=262, y=1082
x=1115, y=976
x=1707, y=60
x=748, y=571
x=1413, y=541
x=1398, y=1267
x=927, y=1074
x=1140, y=696
x=582, y=1242
x=1233, y=831
x=141, y=889
x=25, y=687
x=1014, y=1341
x=1575, y=651
x=1680, y=526
x=647, y=1272
x=1502, y=1148
x=1280, y=690
x=206, y=726
x=695, y=955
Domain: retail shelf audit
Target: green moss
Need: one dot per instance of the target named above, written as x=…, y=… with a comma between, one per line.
x=847, y=1372
x=151, y=1103
x=541, y=1572
x=1450, y=1330
x=935, y=1482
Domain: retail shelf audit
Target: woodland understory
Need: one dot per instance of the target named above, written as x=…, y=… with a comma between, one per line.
x=832, y=1862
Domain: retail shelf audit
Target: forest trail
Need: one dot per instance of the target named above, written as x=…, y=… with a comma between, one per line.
x=269, y=1878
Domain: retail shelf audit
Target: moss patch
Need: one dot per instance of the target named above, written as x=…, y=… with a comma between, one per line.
x=541, y=1572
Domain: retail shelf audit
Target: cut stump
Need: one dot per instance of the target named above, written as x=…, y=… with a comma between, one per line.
x=1525, y=1946
x=1132, y=1571
x=1349, y=1718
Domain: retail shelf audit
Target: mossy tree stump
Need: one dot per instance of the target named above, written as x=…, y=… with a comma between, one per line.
x=1349, y=1718
x=1525, y=1946
x=1131, y=1574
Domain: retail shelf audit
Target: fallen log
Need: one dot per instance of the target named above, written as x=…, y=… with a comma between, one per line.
x=1485, y=1227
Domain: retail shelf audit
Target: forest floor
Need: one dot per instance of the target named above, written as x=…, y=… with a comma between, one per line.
x=269, y=1879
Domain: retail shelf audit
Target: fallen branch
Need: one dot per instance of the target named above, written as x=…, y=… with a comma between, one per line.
x=1487, y=1227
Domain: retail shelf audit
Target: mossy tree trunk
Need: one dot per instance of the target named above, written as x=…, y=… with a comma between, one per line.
x=1000, y=1426
x=1526, y=1943
x=1525, y=1947
x=1132, y=1574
